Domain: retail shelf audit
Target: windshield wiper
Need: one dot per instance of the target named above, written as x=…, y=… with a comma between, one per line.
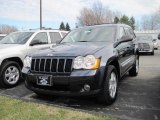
x=82, y=41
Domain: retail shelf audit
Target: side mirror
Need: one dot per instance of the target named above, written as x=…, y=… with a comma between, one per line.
x=159, y=36
x=126, y=38
x=34, y=42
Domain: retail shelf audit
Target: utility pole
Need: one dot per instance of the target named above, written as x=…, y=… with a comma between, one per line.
x=40, y=14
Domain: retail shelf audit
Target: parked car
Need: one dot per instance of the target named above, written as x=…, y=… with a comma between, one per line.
x=155, y=44
x=145, y=44
x=88, y=61
x=2, y=36
x=159, y=36
x=14, y=48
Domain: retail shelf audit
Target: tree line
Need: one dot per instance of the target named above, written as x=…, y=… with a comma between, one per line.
x=97, y=13
x=100, y=14
x=6, y=29
x=125, y=20
x=64, y=27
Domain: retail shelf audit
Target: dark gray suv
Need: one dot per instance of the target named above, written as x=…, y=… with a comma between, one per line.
x=88, y=61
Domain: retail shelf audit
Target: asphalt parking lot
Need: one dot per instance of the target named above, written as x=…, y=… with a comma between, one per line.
x=138, y=97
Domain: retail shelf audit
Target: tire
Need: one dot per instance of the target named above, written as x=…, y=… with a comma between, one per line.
x=135, y=69
x=10, y=74
x=156, y=48
x=152, y=53
x=106, y=97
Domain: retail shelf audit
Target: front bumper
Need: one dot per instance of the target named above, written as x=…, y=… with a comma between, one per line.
x=145, y=51
x=72, y=85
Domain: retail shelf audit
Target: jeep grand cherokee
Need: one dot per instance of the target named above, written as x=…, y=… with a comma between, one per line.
x=88, y=61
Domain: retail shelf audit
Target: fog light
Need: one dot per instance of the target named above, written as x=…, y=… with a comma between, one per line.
x=86, y=87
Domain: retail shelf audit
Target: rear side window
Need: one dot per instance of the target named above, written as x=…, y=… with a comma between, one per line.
x=55, y=36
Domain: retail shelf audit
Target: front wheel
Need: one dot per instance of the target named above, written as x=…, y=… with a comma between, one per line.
x=10, y=74
x=109, y=92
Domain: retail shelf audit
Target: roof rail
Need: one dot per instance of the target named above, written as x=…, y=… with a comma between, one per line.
x=101, y=24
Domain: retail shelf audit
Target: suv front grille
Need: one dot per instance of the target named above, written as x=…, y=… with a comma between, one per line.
x=143, y=46
x=51, y=65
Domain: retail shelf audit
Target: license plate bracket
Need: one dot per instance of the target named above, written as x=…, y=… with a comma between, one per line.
x=44, y=80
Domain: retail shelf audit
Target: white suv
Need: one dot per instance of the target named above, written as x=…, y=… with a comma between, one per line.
x=15, y=46
x=2, y=36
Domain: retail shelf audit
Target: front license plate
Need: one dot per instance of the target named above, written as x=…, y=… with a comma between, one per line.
x=44, y=80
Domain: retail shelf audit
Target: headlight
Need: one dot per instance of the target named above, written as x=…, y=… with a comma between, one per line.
x=27, y=62
x=88, y=62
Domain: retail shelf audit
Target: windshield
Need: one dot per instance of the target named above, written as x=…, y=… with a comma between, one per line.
x=1, y=37
x=91, y=34
x=144, y=38
x=16, y=38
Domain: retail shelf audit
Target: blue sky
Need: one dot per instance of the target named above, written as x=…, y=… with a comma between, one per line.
x=25, y=13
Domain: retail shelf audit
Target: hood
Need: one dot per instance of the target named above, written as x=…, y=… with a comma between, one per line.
x=73, y=49
x=9, y=47
x=145, y=41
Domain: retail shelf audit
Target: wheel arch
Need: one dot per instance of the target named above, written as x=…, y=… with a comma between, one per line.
x=114, y=61
x=15, y=59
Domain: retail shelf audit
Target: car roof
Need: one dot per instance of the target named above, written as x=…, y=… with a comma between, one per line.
x=3, y=34
x=106, y=25
x=44, y=31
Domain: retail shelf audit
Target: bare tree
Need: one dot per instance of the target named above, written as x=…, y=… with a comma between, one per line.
x=151, y=22
x=145, y=23
x=98, y=14
x=6, y=29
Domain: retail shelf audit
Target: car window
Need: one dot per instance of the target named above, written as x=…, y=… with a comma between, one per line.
x=127, y=31
x=16, y=38
x=41, y=37
x=132, y=33
x=55, y=36
x=121, y=32
x=1, y=37
x=63, y=34
x=91, y=34
x=144, y=38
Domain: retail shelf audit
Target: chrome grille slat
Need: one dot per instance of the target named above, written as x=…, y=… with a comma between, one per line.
x=57, y=66
x=54, y=63
x=39, y=64
x=35, y=63
x=64, y=65
x=44, y=64
x=51, y=65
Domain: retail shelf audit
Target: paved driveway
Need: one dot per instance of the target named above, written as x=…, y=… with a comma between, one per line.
x=138, y=98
